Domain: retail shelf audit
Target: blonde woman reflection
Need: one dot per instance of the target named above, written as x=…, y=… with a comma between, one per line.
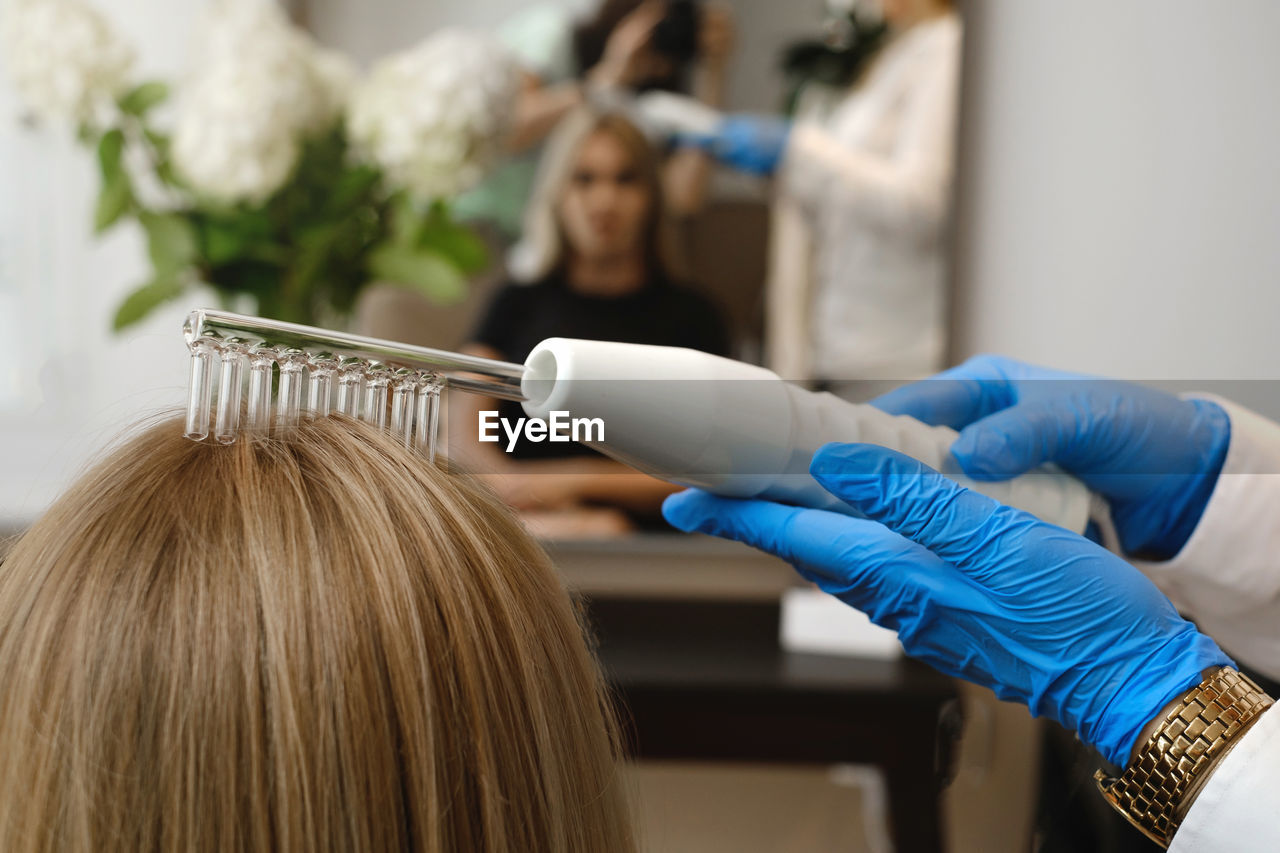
x=613, y=48
x=316, y=641
x=595, y=262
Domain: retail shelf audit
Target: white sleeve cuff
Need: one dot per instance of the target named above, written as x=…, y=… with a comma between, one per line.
x=1231, y=562
x=1238, y=809
x=1227, y=575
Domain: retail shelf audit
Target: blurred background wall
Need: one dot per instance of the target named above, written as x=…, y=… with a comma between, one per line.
x=67, y=384
x=1119, y=199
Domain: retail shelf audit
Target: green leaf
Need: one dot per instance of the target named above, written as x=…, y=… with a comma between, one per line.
x=353, y=186
x=406, y=220
x=111, y=153
x=143, y=97
x=456, y=242
x=161, y=145
x=171, y=241
x=159, y=141
x=436, y=231
x=113, y=202
x=116, y=195
x=222, y=242
x=246, y=276
x=424, y=271
x=169, y=175
x=146, y=299
x=237, y=233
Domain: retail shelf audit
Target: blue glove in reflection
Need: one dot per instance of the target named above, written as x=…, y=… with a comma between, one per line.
x=1155, y=457
x=980, y=590
x=751, y=143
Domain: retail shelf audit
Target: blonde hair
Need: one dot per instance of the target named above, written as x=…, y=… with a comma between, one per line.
x=316, y=642
x=541, y=250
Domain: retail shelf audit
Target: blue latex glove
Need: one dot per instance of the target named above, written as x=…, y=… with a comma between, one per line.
x=980, y=590
x=751, y=143
x=1154, y=456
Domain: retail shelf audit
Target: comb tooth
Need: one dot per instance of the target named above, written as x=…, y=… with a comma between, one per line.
x=402, y=406
x=259, y=415
x=351, y=387
x=200, y=390
x=289, y=405
x=427, y=422
x=422, y=417
x=321, y=382
x=227, y=423
x=433, y=394
x=375, y=396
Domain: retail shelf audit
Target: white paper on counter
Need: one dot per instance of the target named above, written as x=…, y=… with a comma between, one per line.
x=813, y=621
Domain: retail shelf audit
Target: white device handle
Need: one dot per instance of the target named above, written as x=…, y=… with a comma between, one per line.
x=741, y=431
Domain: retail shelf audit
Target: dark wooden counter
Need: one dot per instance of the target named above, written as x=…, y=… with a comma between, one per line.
x=707, y=681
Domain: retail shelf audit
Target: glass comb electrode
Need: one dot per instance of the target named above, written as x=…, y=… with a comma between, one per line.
x=230, y=392
x=289, y=398
x=200, y=390
x=402, y=392
x=261, y=361
x=297, y=371
x=320, y=384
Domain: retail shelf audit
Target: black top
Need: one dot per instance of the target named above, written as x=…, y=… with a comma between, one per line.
x=522, y=316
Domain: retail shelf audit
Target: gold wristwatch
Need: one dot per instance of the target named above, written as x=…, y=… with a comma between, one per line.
x=1160, y=783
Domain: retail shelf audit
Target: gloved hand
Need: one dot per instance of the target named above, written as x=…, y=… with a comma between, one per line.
x=752, y=143
x=980, y=590
x=1154, y=456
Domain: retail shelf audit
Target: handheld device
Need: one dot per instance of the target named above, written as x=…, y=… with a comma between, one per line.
x=686, y=416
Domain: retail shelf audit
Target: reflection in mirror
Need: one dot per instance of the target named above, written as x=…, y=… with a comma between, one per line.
x=808, y=160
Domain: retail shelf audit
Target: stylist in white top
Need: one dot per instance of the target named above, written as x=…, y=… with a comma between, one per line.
x=873, y=184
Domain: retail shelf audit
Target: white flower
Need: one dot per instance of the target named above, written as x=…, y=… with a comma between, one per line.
x=226, y=143
x=65, y=60
x=435, y=117
x=259, y=87
x=334, y=76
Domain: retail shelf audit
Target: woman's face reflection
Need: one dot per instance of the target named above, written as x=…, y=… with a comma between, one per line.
x=605, y=205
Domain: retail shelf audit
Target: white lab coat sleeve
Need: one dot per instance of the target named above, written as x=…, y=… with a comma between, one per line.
x=910, y=190
x=1227, y=576
x=1238, y=808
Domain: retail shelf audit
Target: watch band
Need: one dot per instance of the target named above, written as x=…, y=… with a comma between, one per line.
x=1173, y=762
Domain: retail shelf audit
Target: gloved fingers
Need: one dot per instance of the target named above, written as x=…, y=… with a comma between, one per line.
x=801, y=536
x=915, y=501
x=753, y=125
x=1024, y=436
x=861, y=562
x=735, y=132
x=751, y=143
x=956, y=397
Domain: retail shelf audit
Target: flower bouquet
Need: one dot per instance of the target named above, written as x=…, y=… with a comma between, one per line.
x=280, y=176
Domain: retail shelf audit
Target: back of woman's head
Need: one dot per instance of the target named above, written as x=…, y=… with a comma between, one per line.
x=315, y=642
